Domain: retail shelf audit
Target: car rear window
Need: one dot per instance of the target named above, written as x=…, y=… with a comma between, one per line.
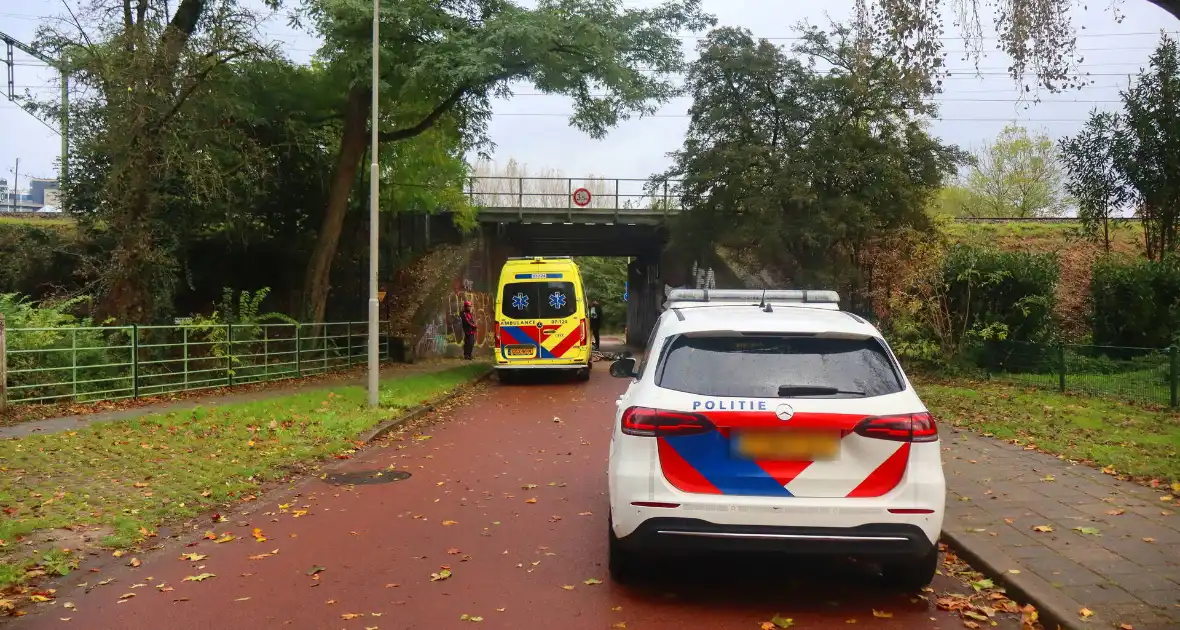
x=538, y=300
x=757, y=367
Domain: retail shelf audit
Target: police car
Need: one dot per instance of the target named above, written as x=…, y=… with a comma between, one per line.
x=772, y=421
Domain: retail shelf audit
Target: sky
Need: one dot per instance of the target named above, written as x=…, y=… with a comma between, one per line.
x=533, y=129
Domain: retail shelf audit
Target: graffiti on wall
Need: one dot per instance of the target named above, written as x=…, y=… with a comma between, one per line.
x=483, y=309
x=446, y=329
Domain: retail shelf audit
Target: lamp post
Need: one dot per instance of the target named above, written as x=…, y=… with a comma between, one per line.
x=374, y=185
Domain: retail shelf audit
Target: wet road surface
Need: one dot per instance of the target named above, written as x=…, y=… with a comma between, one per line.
x=507, y=493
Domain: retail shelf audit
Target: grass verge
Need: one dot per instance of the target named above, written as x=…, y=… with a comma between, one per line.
x=1129, y=439
x=114, y=483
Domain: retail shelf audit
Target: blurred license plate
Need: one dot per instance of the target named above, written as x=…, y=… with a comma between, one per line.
x=788, y=445
x=521, y=351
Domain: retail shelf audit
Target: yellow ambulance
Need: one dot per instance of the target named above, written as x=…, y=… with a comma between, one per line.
x=541, y=317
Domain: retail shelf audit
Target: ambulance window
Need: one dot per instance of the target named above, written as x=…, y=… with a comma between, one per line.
x=779, y=367
x=538, y=300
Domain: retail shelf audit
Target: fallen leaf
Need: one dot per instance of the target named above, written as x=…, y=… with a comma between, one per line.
x=210, y=536
x=779, y=621
x=880, y=614
x=531, y=501
x=617, y=609
x=127, y=596
x=1043, y=528
x=1014, y=571
x=466, y=617
x=1176, y=487
x=453, y=551
x=449, y=523
x=1116, y=512
x=620, y=625
x=1086, y=613
x=528, y=486
x=315, y=570
x=568, y=587
x=193, y=557
x=351, y=615
x=585, y=513
x=258, y=535
x=972, y=625
x=441, y=575
x=1092, y=531
x=199, y=578
x=1167, y=497
x=1126, y=626
x=982, y=584
x=1048, y=478
x=260, y=556
x=1149, y=539
x=592, y=582
x=241, y=599
x=134, y=562
x=40, y=598
x=224, y=538
x=974, y=615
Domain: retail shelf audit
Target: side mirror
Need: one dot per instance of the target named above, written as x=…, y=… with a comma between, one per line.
x=623, y=368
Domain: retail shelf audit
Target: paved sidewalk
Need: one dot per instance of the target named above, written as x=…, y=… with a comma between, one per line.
x=72, y=423
x=1124, y=566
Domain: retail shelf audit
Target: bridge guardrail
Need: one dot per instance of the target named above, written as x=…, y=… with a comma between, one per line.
x=555, y=193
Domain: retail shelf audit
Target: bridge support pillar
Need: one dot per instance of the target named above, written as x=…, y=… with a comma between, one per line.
x=646, y=295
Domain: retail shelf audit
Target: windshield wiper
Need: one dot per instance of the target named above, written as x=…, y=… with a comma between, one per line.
x=814, y=390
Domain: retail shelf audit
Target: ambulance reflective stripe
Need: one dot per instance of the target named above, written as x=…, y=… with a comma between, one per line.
x=866, y=468
x=552, y=340
x=524, y=335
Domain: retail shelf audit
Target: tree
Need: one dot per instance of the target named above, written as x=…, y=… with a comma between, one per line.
x=1132, y=158
x=442, y=63
x=1037, y=34
x=1094, y=181
x=139, y=152
x=804, y=169
x=1148, y=148
x=957, y=201
x=1019, y=176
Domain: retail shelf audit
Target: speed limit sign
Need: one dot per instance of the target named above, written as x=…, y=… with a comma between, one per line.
x=582, y=197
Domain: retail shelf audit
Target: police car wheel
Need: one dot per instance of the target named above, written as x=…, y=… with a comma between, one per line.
x=912, y=574
x=622, y=565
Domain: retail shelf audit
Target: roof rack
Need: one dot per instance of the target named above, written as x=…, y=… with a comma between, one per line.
x=540, y=258
x=753, y=296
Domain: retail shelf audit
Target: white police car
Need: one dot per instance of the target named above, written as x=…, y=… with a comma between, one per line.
x=772, y=421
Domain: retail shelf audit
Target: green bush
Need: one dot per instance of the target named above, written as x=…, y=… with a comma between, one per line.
x=1136, y=304
x=54, y=356
x=1003, y=302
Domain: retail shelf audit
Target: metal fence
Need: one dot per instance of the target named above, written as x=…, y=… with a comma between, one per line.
x=88, y=364
x=1149, y=375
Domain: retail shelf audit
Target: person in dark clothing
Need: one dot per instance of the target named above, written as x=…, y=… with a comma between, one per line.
x=595, y=322
x=467, y=318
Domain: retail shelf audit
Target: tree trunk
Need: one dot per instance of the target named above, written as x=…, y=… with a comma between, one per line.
x=317, y=284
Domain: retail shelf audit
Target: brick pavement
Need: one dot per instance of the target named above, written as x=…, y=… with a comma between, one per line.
x=1127, y=573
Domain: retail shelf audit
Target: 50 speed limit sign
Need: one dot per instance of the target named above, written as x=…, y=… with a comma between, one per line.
x=582, y=197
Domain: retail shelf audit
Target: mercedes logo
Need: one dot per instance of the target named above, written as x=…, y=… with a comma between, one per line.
x=784, y=412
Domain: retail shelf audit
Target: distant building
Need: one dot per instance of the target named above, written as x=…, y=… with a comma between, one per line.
x=38, y=187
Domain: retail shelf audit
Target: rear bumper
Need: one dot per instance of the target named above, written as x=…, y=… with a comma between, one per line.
x=564, y=365
x=873, y=540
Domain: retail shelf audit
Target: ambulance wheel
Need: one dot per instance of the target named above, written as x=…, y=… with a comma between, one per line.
x=622, y=564
x=507, y=377
x=911, y=574
x=584, y=374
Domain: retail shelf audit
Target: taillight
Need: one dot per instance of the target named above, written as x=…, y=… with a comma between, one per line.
x=915, y=427
x=645, y=422
x=496, y=333
x=585, y=333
